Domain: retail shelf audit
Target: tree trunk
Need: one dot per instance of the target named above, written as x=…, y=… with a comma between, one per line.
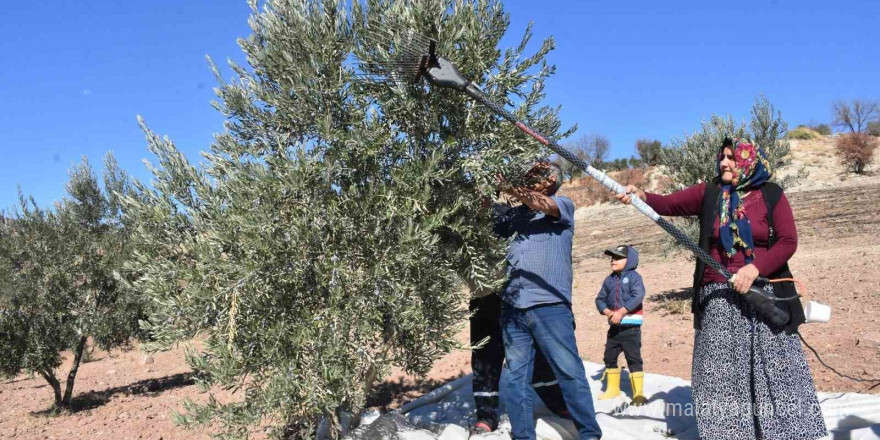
x=56, y=386
x=369, y=380
x=71, y=377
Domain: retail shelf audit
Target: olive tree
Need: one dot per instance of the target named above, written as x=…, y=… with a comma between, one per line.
x=326, y=233
x=59, y=279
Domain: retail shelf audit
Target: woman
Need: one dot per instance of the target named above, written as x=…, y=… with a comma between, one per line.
x=750, y=378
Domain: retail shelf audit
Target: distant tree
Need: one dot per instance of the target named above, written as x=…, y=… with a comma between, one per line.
x=598, y=147
x=634, y=162
x=856, y=150
x=570, y=170
x=60, y=282
x=592, y=149
x=617, y=164
x=649, y=150
x=874, y=128
x=855, y=115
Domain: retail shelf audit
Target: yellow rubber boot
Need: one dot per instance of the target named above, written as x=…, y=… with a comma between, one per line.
x=637, y=380
x=612, y=387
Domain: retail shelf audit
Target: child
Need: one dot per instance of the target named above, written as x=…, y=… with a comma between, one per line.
x=620, y=299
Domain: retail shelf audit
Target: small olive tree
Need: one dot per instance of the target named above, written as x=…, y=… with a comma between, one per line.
x=326, y=236
x=59, y=282
x=692, y=160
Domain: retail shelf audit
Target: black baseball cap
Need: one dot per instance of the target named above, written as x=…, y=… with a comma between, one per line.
x=621, y=251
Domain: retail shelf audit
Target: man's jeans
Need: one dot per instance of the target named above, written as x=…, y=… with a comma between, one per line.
x=549, y=328
x=486, y=363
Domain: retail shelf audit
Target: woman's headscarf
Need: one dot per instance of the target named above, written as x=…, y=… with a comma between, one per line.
x=751, y=169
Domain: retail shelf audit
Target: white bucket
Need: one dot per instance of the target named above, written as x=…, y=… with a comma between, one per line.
x=816, y=312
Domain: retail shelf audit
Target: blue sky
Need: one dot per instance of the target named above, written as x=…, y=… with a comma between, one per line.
x=75, y=74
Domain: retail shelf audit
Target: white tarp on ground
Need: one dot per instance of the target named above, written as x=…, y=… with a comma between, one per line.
x=447, y=413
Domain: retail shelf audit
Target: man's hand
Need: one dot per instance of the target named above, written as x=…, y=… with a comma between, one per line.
x=502, y=184
x=617, y=316
x=532, y=199
x=743, y=278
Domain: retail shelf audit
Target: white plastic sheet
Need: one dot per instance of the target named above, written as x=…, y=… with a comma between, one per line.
x=447, y=413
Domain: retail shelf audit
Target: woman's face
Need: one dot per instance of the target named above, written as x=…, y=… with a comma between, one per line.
x=727, y=165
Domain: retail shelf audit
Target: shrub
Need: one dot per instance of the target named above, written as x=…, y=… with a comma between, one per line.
x=803, y=133
x=635, y=162
x=57, y=281
x=874, y=128
x=856, y=150
x=823, y=129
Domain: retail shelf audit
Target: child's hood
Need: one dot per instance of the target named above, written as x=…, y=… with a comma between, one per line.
x=632, y=259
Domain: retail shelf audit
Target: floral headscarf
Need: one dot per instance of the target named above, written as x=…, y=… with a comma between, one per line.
x=751, y=169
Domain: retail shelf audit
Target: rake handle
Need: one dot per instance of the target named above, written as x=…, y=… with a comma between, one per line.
x=606, y=181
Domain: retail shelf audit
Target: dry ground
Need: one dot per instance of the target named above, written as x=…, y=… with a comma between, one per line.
x=121, y=397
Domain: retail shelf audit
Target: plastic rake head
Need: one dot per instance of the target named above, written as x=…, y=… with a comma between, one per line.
x=390, y=53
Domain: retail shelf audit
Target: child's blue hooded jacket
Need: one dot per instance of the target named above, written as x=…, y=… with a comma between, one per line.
x=625, y=289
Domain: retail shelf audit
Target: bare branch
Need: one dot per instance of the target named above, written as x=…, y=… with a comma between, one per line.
x=855, y=115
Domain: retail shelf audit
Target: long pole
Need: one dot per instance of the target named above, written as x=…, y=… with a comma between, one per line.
x=606, y=181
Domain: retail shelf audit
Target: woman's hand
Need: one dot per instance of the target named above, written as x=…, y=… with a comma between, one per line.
x=630, y=189
x=744, y=278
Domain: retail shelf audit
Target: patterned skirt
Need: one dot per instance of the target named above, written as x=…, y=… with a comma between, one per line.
x=750, y=379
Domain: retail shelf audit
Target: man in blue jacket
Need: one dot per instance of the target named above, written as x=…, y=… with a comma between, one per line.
x=620, y=299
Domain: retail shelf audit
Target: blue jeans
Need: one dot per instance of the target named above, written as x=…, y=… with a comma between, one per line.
x=549, y=328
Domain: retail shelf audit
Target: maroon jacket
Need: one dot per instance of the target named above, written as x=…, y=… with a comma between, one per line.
x=688, y=202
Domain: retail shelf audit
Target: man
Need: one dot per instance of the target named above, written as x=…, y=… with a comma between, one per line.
x=536, y=312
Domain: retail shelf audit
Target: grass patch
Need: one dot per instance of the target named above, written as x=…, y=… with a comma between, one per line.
x=674, y=302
